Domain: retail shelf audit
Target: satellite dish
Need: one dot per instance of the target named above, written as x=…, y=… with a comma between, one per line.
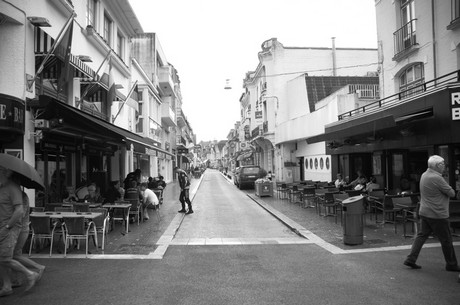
x=227, y=84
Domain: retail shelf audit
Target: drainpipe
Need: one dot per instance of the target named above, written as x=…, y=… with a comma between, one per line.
x=433, y=28
x=334, y=64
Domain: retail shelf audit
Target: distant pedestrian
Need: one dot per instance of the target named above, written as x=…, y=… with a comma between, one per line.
x=434, y=213
x=184, y=183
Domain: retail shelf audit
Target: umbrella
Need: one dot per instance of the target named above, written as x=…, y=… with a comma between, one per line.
x=28, y=176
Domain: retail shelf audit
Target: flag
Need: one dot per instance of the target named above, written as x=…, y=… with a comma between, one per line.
x=111, y=92
x=133, y=100
x=62, y=51
x=69, y=24
x=96, y=79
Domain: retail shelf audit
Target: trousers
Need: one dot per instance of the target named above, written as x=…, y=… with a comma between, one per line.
x=440, y=228
x=184, y=198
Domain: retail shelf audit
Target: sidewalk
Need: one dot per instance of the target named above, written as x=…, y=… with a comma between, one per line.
x=303, y=221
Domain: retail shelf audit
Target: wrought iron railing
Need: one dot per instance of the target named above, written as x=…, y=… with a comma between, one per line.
x=405, y=37
x=395, y=99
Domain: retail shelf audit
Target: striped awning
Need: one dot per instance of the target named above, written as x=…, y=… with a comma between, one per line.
x=43, y=43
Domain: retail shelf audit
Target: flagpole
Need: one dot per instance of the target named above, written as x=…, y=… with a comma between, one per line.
x=95, y=75
x=51, y=51
x=124, y=102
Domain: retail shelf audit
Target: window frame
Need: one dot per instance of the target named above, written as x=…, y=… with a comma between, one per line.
x=410, y=72
x=107, y=30
x=91, y=13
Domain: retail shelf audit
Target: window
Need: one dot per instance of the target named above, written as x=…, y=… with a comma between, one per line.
x=120, y=46
x=91, y=13
x=107, y=29
x=140, y=125
x=405, y=36
x=407, y=11
x=455, y=8
x=411, y=79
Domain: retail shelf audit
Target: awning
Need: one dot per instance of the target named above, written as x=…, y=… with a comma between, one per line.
x=342, y=130
x=80, y=124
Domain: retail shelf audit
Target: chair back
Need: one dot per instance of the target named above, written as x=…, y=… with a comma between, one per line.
x=40, y=224
x=75, y=225
x=51, y=206
x=329, y=198
x=36, y=209
x=81, y=207
x=404, y=200
x=295, y=188
x=309, y=192
x=388, y=202
x=63, y=209
x=99, y=220
x=353, y=193
x=134, y=205
x=332, y=190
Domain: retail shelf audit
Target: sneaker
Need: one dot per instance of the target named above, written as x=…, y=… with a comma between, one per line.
x=182, y=211
x=412, y=265
x=189, y=212
x=5, y=292
x=31, y=280
x=453, y=268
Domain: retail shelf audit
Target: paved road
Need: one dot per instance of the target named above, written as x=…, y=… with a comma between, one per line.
x=232, y=252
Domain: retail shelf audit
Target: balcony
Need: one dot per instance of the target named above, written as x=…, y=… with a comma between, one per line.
x=405, y=40
x=165, y=80
x=168, y=117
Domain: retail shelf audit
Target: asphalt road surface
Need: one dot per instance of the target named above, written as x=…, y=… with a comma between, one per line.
x=231, y=251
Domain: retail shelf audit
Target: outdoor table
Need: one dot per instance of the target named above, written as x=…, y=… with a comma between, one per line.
x=122, y=206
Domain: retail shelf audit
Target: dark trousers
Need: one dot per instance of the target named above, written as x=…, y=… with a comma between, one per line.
x=184, y=198
x=440, y=228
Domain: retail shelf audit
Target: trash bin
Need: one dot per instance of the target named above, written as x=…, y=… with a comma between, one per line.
x=353, y=210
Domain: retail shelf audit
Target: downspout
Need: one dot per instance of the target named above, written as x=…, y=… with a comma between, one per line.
x=433, y=27
x=334, y=63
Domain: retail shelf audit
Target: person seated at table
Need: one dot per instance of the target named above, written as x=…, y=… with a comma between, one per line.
x=161, y=182
x=339, y=182
x=372, y=185
x=133, y=192
x=152, y=183
x=71, y=197
x=148, y=198
x=94, y=195
x=359, y=183
x=113, y=193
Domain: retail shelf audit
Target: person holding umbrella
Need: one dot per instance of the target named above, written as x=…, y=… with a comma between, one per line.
x=184, y=183
x=11, y=213
x=13, y=173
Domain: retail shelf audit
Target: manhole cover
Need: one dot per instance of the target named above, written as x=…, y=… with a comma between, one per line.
x=375, y=241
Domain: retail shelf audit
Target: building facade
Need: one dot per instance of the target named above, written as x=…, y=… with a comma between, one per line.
x=81, y=109
x=392, y=138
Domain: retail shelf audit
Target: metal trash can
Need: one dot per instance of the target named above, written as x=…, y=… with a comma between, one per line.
x=353, y=210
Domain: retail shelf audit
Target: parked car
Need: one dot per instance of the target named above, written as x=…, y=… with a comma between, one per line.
x=247, y=175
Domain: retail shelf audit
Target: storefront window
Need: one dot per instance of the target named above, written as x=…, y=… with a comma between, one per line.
x=456, y=164
x=444, y=152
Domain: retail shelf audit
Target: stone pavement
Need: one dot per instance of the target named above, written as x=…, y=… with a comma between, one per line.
x=299, y=219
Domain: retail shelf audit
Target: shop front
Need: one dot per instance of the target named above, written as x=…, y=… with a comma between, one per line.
x=393, y=141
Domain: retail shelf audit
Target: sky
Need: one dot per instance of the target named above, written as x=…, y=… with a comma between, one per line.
x=210, y=41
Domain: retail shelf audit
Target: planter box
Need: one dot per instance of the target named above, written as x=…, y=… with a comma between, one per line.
x=264, y=189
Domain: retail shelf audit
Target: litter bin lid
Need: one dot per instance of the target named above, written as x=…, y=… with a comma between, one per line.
x=352, y=199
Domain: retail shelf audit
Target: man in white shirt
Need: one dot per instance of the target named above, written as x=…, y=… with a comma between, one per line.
x=149, y=198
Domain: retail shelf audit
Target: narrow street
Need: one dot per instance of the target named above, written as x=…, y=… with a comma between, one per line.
x=231, y=251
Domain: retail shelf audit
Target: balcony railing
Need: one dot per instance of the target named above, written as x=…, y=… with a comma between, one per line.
x=395, y=99
x=405, y=37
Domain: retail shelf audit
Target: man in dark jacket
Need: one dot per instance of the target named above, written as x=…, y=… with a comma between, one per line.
x=184, y=183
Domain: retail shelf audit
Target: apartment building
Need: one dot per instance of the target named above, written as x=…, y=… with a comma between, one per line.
x=417, y=116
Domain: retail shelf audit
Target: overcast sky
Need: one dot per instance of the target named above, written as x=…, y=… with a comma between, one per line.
x=209, y=41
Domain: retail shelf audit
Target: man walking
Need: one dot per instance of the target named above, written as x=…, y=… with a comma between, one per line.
x=434, y=213
x=184, y=183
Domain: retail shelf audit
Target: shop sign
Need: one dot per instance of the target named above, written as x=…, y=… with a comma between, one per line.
x=455, y=105
x=11, y=114
x=161, y=155
x=151, y=152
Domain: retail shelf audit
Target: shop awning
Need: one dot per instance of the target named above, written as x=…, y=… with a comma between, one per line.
x=342, y=130
x=77, y=123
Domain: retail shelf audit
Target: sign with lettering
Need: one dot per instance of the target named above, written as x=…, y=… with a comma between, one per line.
x=12, y=113
x=455, y=105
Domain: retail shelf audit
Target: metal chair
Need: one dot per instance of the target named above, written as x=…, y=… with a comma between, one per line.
x=81, y=207
x=309, y=196
x=36, y=209
x=135, y=209
x=41, y=228
x=78, y=228
x=295, y=193
x=101, y=223
x=62, y=209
